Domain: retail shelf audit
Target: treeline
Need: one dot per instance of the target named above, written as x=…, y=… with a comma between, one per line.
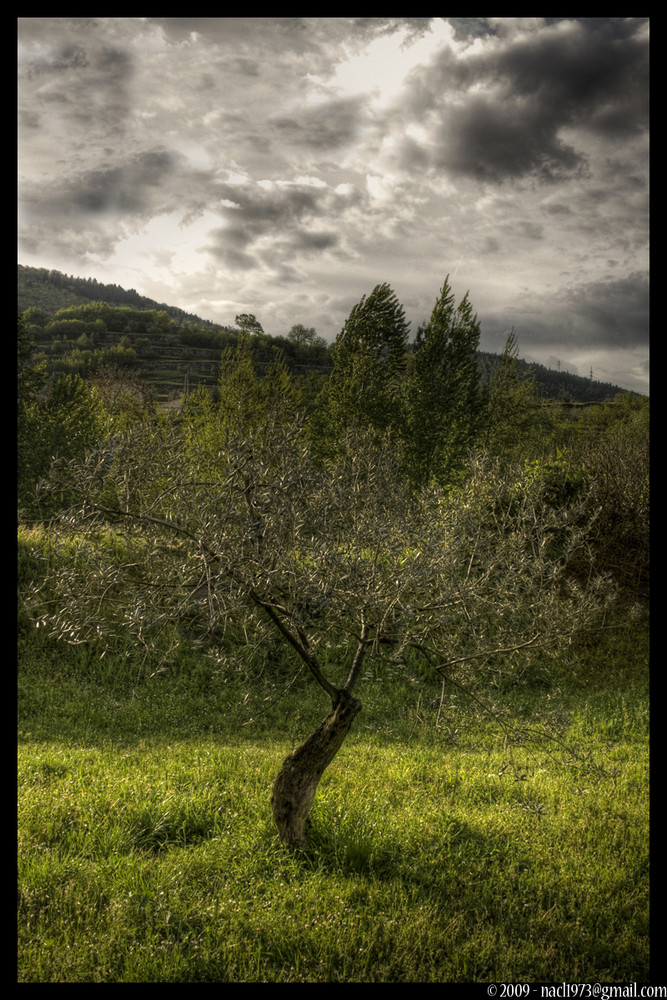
x=551, y=384
x=80, y=325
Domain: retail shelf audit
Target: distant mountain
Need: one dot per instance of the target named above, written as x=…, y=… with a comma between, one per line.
x=194, y=344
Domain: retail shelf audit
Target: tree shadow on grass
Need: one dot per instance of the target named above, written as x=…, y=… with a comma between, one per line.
x=350, y=846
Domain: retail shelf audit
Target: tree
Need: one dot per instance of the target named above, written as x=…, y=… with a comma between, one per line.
x=125, y=395
x=34, y=316
x=338, y=557
x=369, y=356
x=248, y=404
x=30, y=380
x=305, y=336
x=247, y=323
x=513, y=418
x=443, y=398
x=64, y=418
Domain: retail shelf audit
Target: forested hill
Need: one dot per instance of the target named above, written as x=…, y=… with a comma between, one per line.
x=172, y=348
x=551, y=384
x=51, y=290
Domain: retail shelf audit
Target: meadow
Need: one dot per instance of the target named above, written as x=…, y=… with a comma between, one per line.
x=440, y=850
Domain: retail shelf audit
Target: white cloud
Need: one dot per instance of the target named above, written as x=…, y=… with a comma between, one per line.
x=382, y=66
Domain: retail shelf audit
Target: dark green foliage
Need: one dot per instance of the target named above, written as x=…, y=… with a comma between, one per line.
x=619, y=473
x=444, y=403
x=30, y=381
x=51, y=291
x=422, y=397
x=514, y=422
x=126, y=397
x=248, y=324
x=305, y=335
x=365, y=388
x=70, y=421
x=561, y=386
x=60, y=420
x=170, y=347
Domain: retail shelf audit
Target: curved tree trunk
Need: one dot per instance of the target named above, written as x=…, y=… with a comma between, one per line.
x=296, y=783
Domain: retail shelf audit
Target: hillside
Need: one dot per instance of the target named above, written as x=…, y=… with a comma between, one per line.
x=51, y=290
x=78, y=324
x=551, y=384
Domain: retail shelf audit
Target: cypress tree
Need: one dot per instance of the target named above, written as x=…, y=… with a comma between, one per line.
x=443, y=396
x=365, y=388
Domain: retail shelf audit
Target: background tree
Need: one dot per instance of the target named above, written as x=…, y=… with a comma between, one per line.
x=63, y=419
x=249, y=404
x=514, y=422
x=305, y=336
x=342, y=562
x=125, y=395
x=442, y=391
x=248, y=323
x=30, y=381
x=365, y=387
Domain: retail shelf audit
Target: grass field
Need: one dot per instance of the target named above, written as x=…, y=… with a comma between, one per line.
x=438, y=854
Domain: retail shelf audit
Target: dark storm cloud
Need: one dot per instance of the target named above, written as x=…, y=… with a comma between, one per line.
x=133, y=184
x=614, y=313
x=493, y=142
x=500, y=114
x=280, y=212
x=244, y=66
x=578, y=76
x=227, y=246
x=89, y=82
x=306, y=241
x=130, y=187
x=609, y=315
x=258, y=208
x=475, y=27
x=611, y=27
x=61, y=58
x=97, y=65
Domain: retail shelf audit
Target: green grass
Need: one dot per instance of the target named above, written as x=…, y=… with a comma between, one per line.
x=147, y=851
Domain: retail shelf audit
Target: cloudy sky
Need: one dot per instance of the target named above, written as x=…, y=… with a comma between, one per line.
x=286, y=166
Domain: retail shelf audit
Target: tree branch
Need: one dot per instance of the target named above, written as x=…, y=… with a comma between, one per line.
x=358, y=658
x=305, y=654
x=267, y=606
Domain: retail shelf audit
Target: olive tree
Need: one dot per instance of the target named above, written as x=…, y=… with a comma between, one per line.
x=339, y=556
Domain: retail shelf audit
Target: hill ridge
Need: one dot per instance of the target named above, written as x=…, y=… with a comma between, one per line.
x=51, y=291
